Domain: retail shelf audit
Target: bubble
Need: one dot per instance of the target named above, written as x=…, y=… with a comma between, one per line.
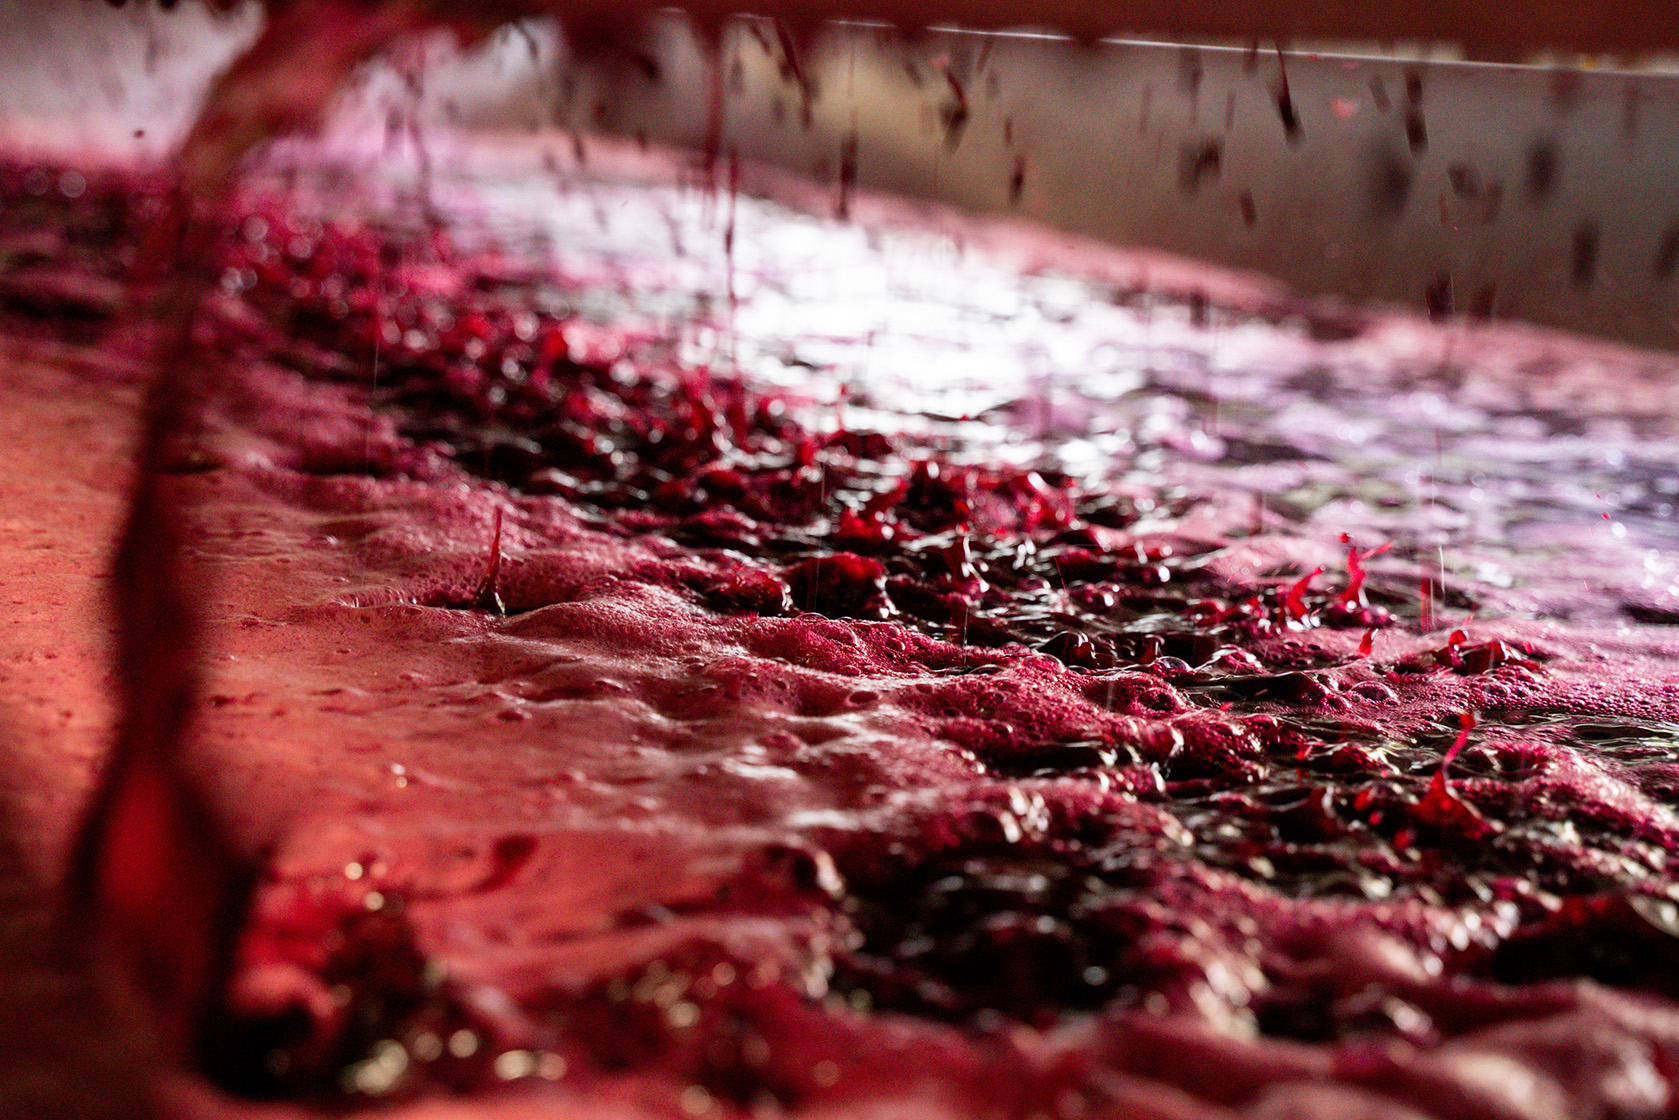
x=695, y=1101
x=378, y=1074
x=511, y=1065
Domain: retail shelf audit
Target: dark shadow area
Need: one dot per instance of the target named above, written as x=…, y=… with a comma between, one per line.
x=63, y=1053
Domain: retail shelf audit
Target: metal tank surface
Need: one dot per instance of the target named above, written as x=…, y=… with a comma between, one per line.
x=1542, y=191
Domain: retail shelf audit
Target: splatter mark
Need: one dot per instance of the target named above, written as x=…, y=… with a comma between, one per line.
x=847, y=174
x=1286, y=111
x=1198, y=164
x=1438, y=296
x=1416, y=131
x=1544, y=168
x=1250, y=212
x=1667, y=254
x=1588, y=236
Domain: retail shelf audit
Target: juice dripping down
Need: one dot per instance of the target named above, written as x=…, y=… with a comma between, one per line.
x=156, y=890
x=154, y=885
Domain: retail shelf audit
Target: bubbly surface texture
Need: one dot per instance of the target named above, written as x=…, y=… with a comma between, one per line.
x=682, y=651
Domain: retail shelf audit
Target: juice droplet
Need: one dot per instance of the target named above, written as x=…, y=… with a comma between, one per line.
x=1286, y=111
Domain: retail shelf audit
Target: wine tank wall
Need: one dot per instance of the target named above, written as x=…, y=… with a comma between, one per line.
x=1484, y=190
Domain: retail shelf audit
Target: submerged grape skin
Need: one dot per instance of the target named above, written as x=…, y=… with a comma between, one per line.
x=964, y=917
